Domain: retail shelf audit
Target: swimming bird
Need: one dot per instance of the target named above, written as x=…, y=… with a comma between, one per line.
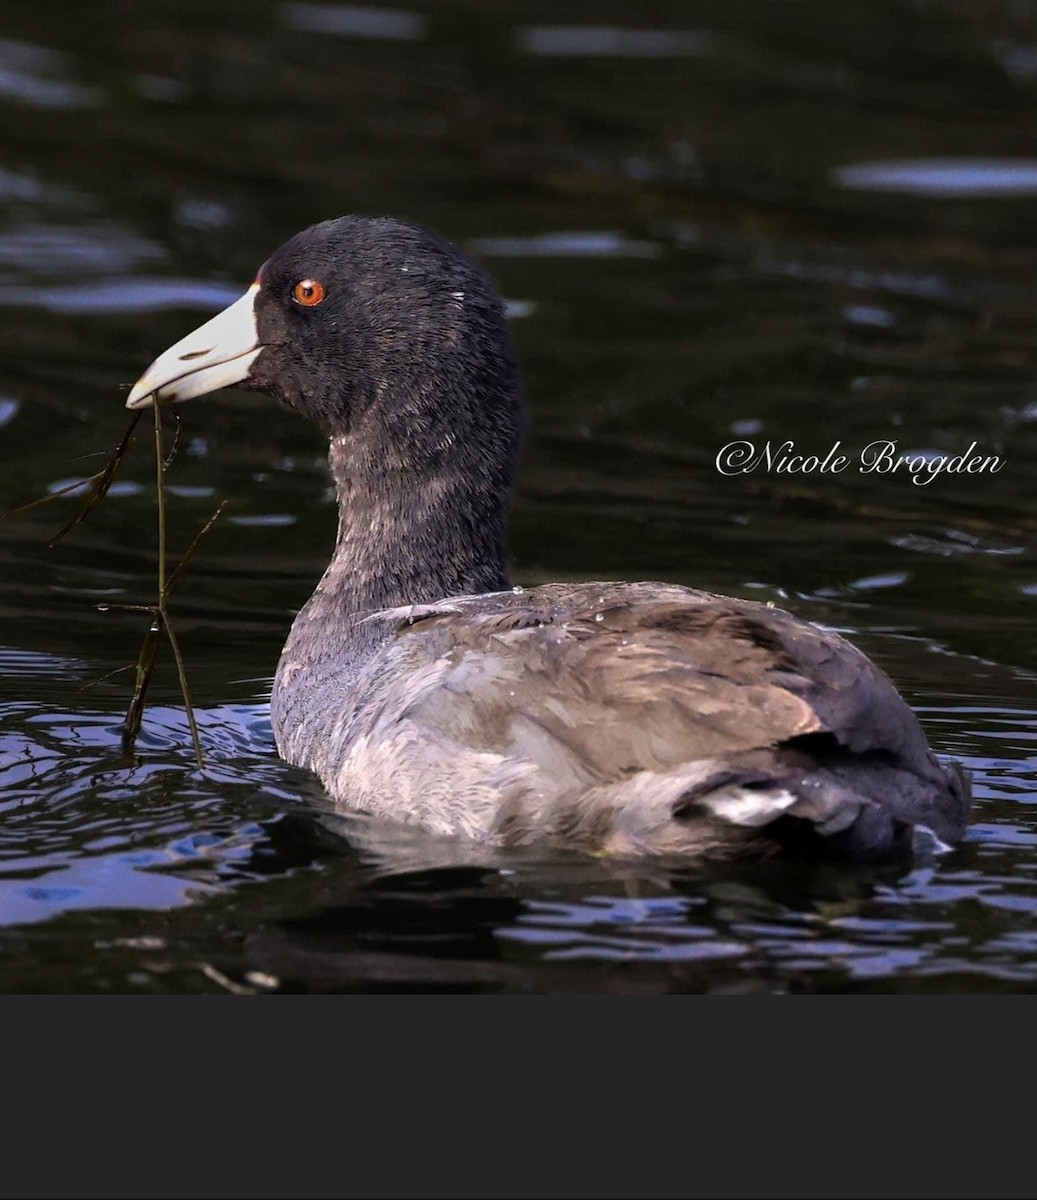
x=420, y=686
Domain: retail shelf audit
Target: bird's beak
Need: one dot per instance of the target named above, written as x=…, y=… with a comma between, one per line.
x=218, y=354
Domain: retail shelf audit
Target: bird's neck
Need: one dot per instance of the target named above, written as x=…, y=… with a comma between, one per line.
x=404, y=537
x=409, y=537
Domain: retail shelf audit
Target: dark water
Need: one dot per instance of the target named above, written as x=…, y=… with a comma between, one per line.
x=714, y=222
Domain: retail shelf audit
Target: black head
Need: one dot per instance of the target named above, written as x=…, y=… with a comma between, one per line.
x=382, y=332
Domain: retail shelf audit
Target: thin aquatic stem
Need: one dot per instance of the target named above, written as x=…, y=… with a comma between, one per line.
x=178, y=570
x=160, y=493
x=144, y=666
x=181, y=671
x=107, y=675
x=161, y=625
x=104, y=480
x=56, y=495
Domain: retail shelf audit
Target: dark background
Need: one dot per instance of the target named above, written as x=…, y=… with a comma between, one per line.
x=712, y=221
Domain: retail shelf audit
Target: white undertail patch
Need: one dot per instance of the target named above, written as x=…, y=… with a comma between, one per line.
x=752, y=807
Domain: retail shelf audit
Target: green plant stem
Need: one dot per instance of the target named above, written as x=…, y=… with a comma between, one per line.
x=189, y=707
x=143, y=668
x=160, y=492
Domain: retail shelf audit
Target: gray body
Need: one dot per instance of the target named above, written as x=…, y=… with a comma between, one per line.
x=621, y=718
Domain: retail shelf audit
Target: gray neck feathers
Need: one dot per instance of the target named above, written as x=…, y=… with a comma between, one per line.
x=404, y=537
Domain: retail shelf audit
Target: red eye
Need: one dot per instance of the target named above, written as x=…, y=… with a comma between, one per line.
x=308, y=292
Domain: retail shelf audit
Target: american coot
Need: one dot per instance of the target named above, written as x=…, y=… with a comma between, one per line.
x=620, y=718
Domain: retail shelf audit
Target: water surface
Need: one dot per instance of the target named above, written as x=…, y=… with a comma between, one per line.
x=713, y=223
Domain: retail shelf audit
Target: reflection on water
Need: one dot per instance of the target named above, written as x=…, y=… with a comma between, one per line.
x=586, y=41
x=944, y=177
x=87, y=825
x=122, y=296
x=354, y=20
x=577, y=244
x=752, y=226
x=39, y=77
